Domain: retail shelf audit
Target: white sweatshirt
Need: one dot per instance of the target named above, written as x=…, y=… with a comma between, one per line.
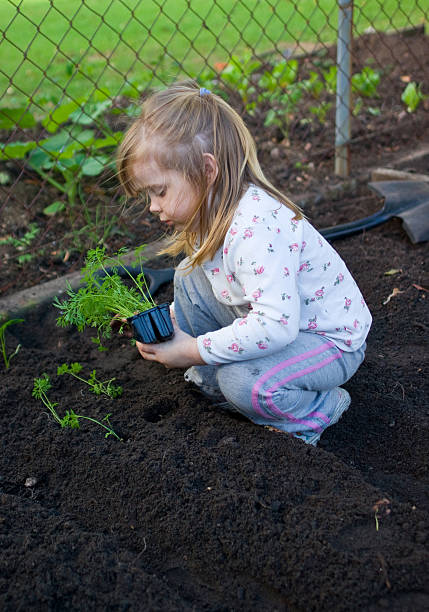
x=287, y=278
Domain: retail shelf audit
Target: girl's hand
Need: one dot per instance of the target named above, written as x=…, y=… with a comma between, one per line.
x=179, y=352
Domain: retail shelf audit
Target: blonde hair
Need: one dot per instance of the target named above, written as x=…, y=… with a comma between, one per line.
x=177, y=126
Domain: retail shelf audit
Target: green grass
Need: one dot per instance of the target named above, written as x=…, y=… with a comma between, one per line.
x=48, y=48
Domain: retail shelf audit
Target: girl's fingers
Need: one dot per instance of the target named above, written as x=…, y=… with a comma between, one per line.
x=147, y=351
x=146, y=356
x=147, y=348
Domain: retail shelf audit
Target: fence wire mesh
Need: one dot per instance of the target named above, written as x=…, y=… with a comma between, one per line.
x=72, y=73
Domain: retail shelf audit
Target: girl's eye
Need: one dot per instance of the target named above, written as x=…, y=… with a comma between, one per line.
x=158, y=193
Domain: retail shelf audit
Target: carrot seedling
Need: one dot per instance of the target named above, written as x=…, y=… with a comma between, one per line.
x=380, y=507
x=98, y=387
x=40, y=389
x=6, y=357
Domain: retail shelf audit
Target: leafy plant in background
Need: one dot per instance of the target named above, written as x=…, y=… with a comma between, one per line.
x=281, y=93
x=23, y=243
x=237, y=75
x=73, y=152
x=57, y=152
x=281, y=75
x=40, y=390
x=313, y=85
x=3, y=327
x=330, y=79
x=102, y=297
x=282, y=108
x=11, y=118
x=278, y=92
x=97, y=386
x=320, y=111
x=412, y=96
x=366, y=82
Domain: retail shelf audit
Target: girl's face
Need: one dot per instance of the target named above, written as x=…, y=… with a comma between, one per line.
x=172, y=197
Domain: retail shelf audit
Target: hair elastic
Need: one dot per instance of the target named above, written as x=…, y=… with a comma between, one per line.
x=204, y=92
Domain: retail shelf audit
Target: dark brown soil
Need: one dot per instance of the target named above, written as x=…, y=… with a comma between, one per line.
x=198, y=509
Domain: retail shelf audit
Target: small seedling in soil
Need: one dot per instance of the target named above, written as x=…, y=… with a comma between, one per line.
x=98, y=387
x=412, y=96
x=42, y=385
x=6, y=357
x=380, y=507
x=23, y=243
x=99, y=344
x=105, y=296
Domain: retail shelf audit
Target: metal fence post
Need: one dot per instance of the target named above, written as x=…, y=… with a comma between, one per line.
x=343, y=99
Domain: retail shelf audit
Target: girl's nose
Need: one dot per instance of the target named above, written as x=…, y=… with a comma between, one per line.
x=154, y=207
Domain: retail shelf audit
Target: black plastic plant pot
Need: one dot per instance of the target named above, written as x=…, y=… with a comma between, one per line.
x=153, y=325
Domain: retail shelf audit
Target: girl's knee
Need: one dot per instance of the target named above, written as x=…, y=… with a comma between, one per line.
x=247, y=390
x=239, y=385
x=234, y=384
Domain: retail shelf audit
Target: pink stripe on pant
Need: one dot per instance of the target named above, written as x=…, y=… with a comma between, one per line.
x=296, y=359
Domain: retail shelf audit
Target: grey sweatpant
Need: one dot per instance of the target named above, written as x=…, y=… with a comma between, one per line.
x=294, y=390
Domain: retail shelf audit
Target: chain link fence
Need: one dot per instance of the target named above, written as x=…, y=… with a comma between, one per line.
x=73, y=71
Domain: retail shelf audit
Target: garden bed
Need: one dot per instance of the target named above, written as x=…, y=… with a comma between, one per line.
x=198, y=509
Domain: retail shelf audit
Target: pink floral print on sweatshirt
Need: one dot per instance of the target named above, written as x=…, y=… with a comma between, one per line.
x=288, y=277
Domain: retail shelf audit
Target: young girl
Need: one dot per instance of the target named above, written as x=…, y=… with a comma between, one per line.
x=267, y=316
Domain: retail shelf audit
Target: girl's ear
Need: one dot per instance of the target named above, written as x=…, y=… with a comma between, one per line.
x=210, y=168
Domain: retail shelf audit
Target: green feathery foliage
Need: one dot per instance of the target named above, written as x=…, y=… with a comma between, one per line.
x=40, y=389
x=105, y=387
x=104, y=294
